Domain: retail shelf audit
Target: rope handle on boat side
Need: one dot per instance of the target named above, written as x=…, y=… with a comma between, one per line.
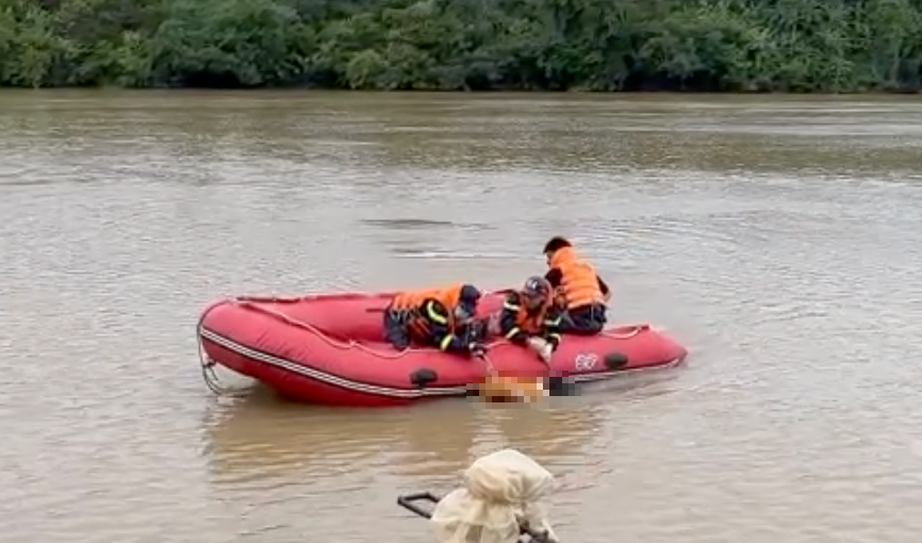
x=318, y=297
x=299, y=299
x=352, y=344
x=340, y=344
x=635, y=330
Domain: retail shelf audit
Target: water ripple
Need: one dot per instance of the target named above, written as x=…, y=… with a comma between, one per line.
x=778, y=238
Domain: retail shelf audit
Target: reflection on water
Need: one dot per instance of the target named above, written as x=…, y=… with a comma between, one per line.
x=260, y=436
x=329, y=460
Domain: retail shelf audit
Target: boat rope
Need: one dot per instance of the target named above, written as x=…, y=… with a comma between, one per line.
x=339, y=343
x=208, y=365
x=348, y=343
x=632, y=330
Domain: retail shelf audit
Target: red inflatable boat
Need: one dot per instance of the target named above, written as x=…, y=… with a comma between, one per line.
x=330, y=349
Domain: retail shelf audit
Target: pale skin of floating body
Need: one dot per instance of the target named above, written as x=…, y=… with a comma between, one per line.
x=507, y=388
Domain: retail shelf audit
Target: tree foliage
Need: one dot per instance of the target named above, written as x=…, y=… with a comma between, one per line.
x=600, y=45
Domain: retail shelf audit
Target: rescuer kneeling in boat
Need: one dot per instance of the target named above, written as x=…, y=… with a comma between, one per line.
x=583, y=291
x=441, y=318
x=531, y=317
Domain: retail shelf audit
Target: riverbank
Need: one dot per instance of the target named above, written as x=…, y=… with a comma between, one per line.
x=313, y=89
x=582, y=45
x=299, y=93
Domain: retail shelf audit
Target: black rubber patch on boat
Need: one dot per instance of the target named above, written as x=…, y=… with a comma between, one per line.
x=422, y=377
x=615, y=361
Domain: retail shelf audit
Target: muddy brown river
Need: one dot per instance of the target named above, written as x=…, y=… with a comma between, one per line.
x=779, y=238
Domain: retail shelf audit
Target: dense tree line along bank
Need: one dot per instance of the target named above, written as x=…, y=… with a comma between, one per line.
x=601, y=45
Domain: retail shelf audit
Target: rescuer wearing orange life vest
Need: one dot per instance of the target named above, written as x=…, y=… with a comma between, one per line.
x=583, y=291
x=531, y=317
x=441, y=318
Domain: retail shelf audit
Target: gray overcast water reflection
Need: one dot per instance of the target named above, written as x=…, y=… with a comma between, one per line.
x=779, y=238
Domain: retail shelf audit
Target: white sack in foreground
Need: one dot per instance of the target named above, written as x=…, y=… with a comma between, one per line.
x=500, y=491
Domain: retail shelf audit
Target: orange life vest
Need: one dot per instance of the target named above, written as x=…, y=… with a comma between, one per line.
x=410, y=301
x=579, y=282
x=532, y=323
x=447, y=296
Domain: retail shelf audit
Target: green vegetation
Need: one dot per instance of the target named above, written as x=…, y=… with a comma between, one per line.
x=601, y=45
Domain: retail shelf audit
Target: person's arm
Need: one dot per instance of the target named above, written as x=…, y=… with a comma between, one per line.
x=552, y=326
x=602, y=286
x=508, y=324
x=606, y=292
x=555, y=277
x=440, y=327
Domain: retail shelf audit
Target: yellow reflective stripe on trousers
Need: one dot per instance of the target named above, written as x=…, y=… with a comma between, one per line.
x=515, y=330
x=446, y=341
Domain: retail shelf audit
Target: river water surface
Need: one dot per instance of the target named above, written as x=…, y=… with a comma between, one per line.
x=780, y=239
